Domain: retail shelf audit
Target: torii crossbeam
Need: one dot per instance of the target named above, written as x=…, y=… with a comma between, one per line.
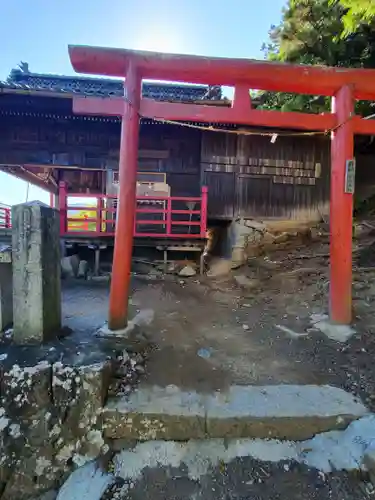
x=344, y=85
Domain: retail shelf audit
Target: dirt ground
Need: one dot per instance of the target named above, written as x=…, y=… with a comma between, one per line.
x=246, y=479
x=212, y=332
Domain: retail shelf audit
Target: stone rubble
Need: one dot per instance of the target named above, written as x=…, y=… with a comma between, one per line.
x=50, y=422
x=187, y=272
x=127, y=371
x=248, y=238
x=70, y=266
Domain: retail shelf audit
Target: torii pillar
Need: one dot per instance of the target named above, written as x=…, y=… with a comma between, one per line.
x=123, y=248
x=341, y=209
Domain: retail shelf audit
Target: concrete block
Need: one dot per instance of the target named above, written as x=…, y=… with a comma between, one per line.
x=156, y=413
x=36, y=272
x=284, y=412
x=280, y=411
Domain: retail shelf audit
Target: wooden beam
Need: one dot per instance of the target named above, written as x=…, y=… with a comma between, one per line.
x=21, y=172
x=101, y=106
x=239, y=115
x=242, y=98
x=263, y=75
x=210, y=114
x=363, y=127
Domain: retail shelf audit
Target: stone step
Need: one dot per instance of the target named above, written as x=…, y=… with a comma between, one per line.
x=293, y=412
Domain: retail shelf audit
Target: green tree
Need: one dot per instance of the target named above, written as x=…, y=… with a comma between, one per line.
x=358, y=12
x=310, y=32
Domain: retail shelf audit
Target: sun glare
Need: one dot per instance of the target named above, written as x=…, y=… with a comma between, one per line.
x=158, y=42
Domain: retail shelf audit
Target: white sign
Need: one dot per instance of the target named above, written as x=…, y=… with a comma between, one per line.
x=350, y=176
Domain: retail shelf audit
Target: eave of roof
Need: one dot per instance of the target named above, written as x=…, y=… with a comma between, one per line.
x=22, y=80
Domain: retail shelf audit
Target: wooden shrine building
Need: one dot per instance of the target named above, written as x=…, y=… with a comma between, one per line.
x=45, y=143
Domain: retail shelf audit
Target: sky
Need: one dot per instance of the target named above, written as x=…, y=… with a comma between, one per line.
x=39, y=31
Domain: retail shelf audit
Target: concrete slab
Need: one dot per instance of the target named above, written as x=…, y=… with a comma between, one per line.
x=281, y=411
x=339, y=333
x=86, y=483
x=141, y=319
x=328, y=452
x=156, y=413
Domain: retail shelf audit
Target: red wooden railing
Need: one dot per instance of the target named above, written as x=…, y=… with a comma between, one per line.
x=5, y=216
x=156, y=217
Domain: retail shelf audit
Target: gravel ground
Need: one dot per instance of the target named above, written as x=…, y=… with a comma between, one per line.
x=245, y=479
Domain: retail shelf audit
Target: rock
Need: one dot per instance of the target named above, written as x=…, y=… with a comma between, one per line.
x=155, y=273
x=361, y=230
x=246, y=282
x=83, y=269
x=86, y=483
x=254, y=224
x=125, y=356
x=141, y=267
x=50, y=420
x=70, y=266
x=219, y=267
x=27, y=389
x=139, y=359
x=369, y=461
x=238, y=257
x=64, y=332
x=268, y=238
x=281, y=238
x=173, y=268
x=91, y=387
x=187, y=271
x=50, y=495
x=32, y=475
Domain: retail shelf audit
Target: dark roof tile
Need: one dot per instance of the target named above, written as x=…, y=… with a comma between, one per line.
x=22, y=78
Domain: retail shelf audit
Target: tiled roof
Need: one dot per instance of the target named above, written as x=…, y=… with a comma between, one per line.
x=21, y=78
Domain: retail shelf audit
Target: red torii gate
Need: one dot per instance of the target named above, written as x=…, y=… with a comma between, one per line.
x=344, y=85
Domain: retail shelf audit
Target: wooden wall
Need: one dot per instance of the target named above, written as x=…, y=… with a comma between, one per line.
x=95, y=144
x=248, y=176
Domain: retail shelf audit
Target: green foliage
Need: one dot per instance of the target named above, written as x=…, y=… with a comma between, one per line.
x=358, y=12
x=312, y=32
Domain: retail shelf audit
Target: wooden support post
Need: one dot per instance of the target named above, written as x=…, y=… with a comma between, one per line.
x=341, y=209
x=165, y=260
x=97, y=262
x=63, y=208
x=242, y=99
x=99, y=210
x=204, y=206
x=7, y=218
x=120, y=283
